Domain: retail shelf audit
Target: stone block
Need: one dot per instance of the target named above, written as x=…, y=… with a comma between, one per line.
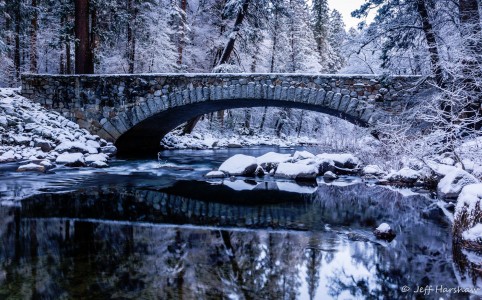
x=320, y=97
x=186, y=98
x=351, y=109
x=277, y=92
x=328, y=98
x=335, y=102
x=284, y=93
x=345, y=101
x=251, y=90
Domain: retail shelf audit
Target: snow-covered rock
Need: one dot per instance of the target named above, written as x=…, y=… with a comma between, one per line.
x=8, y=156
x=451, y=185
x=98, y=164
x=296, y=171
x=341, y=160
x=299, y=155
x=47, y=164
x=215, y=174
x=384, y=232
x=239, y=165
x=31, y=167
x=271, y=160
x=330, y=175
x=111, y=150
x=468, y=213
x=30, y=132
x=473, y=234
x=71, y=159
x=72, y=147
x=404, y=175
x=384, y=227
x=96, y=157
x=372, y=170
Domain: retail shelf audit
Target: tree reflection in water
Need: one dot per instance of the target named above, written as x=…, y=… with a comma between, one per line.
x=133, y=244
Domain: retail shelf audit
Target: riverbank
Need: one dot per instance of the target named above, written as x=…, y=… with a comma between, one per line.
x=41, y=139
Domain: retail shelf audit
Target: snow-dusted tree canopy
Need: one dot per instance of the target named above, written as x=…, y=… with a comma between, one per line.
x=415, y=37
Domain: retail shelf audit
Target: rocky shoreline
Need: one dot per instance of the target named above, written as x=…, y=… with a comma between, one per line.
x=40, y=140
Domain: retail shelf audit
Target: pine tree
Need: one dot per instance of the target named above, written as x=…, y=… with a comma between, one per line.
x=336, y=39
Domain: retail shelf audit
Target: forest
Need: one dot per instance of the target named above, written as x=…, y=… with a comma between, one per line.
x=439, y=39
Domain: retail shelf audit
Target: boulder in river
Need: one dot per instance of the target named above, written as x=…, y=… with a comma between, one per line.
x=384, y=232
x=71, y=159
x=31, y=167
x=215, y=174
x=297, y=171
x=330, y=175
x=239, y=165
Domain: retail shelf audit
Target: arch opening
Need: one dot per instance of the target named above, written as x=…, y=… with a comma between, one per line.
x=144, y=138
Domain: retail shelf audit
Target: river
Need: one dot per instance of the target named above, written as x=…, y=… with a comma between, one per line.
x=144, y=230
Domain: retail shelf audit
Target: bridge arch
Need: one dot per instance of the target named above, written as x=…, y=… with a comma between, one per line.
x=136, y=111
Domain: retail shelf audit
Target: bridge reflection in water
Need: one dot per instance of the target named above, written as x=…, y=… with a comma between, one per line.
x=167, y=244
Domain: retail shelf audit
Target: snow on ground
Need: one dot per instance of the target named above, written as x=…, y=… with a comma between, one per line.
x=28, y=132
x=206, y=140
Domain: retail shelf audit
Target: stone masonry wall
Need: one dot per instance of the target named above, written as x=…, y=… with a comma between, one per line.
x=109, y=105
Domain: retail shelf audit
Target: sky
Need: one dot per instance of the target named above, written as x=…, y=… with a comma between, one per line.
x=345, y=7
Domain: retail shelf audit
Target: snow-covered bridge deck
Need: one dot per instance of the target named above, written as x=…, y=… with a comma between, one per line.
x=136, y=111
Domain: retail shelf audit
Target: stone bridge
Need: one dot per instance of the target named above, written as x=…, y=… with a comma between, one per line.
x=136, y=111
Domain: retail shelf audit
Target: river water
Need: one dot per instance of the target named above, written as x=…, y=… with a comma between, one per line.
x=144, y=230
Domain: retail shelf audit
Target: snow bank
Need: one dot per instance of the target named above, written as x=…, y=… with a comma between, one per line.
x=239, y=165
x=30, y=132
x=451, y=185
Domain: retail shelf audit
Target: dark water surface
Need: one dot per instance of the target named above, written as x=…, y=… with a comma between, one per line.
x=140, y=231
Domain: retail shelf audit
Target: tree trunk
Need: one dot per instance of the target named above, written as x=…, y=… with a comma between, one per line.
x=180, y=47
x=131, y=40
x=263, y=119
x=33, y=39
x=226, y=54
x=471, y=32
x=16, y=56
x=93, y=30
x=83, y=53
x=189, y=127
x=300, y=124
x=431, y=42
x=232, y=37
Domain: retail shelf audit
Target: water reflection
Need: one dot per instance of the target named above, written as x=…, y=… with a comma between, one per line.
x=175, y=243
